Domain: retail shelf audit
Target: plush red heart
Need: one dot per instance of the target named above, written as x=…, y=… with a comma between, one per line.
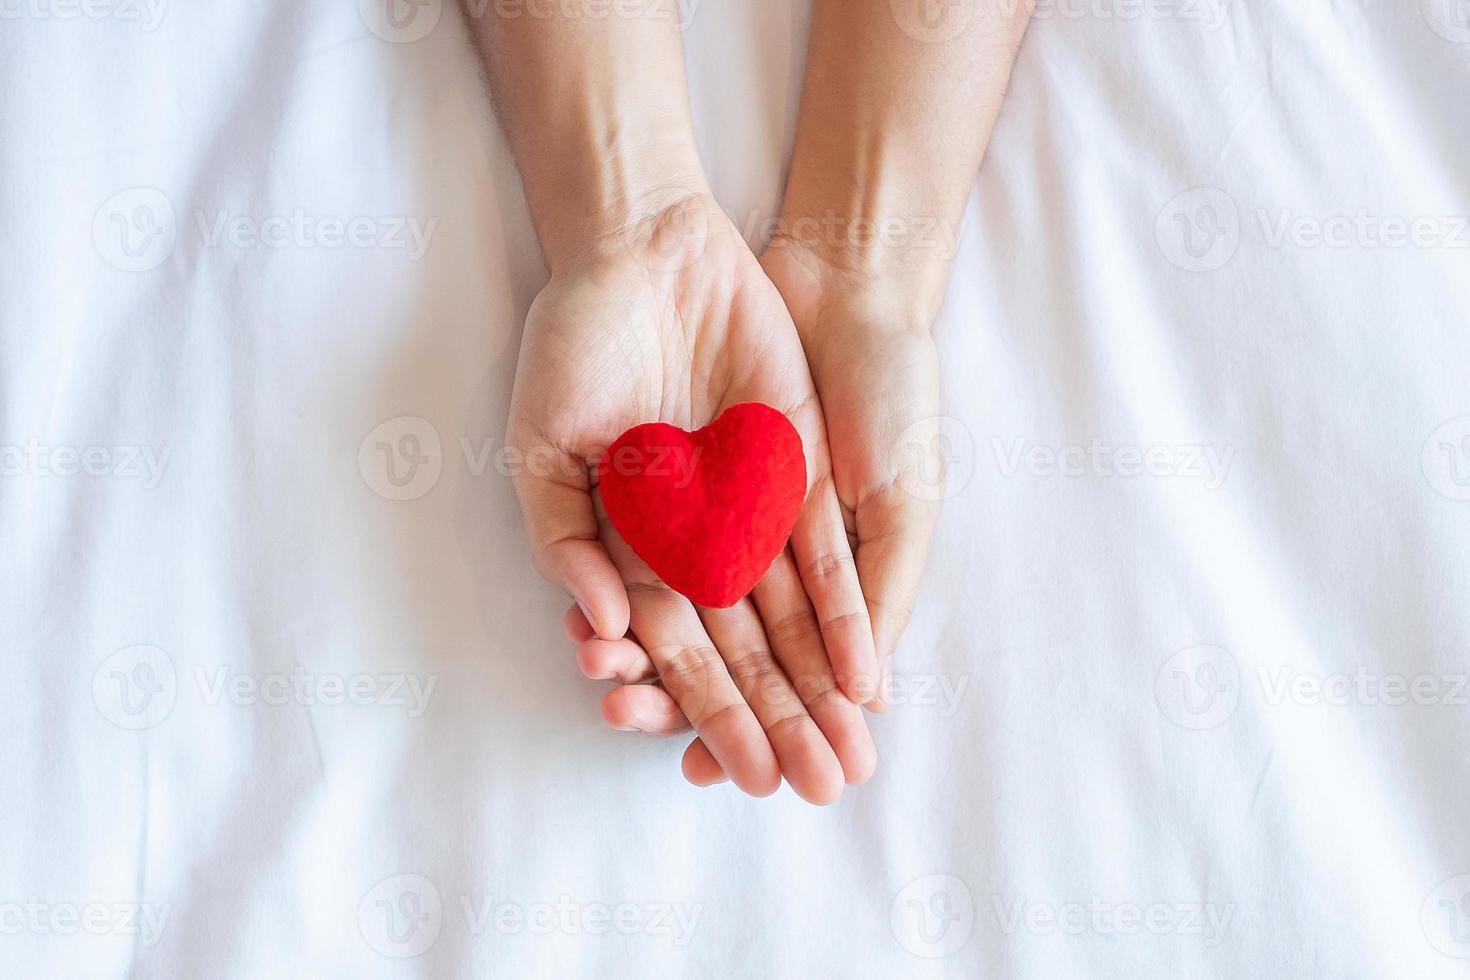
x=708, y=510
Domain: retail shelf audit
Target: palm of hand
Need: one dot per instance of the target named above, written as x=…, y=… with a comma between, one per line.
x=638, y=336
x=877, y=376
x=675, y=323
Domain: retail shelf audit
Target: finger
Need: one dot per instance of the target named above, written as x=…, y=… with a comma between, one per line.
x=691, y=671
x=893, y=531
x=666, y=625
x=642, y=708
x=700, y=768
x=614, y=660
x=796, y=641
x=830, y=579
x=575, y=625
x=555, y=498
x=807, y=761
x=880, y=704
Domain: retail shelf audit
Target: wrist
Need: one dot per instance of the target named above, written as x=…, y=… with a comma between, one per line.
x=597, y=189
x=894, y=266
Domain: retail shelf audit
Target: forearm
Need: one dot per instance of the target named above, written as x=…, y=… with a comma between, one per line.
x=891, y=133
x=597, y=117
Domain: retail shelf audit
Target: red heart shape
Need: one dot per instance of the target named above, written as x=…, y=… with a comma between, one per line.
x=708, y=510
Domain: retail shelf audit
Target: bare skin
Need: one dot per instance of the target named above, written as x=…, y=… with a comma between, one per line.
x=830, y=326
x=629, y=332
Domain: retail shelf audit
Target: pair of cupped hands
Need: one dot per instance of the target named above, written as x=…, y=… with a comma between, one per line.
x=669, y=316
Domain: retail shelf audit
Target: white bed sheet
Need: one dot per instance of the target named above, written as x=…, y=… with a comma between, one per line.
x=1187, y=699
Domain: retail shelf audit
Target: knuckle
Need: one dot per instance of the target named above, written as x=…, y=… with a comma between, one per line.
x=795, y=628
x=719, y=714
x=904, y=513
x=894, y=610
x=817, y=691
x=650, y=590
x=832, y=698
x=686, y=668
x=827, y=565
x=790, y=726
x=842, y=621
x=554, y=555
x=755, y=674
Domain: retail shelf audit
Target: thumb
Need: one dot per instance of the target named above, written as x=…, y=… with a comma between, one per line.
x=893, y=530
x=556, y=502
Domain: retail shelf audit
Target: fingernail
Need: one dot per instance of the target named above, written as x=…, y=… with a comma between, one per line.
x=628, y=728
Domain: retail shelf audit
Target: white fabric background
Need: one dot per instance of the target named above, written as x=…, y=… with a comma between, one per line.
x=1095, y=728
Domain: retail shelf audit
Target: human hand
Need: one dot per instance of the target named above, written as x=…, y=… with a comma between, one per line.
x=876, y=372
x=867, y=340
x=891, y=132
x=671, y=319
